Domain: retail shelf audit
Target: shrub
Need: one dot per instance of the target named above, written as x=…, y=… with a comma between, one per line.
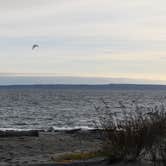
x=140, y=133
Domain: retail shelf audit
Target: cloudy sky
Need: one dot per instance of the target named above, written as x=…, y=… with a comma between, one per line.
x=85, y=38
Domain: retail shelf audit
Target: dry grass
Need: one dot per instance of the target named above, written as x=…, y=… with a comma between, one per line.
x=70, y=157
x=140, y=134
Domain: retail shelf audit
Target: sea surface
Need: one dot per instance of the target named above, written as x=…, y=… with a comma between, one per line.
x=42, y=108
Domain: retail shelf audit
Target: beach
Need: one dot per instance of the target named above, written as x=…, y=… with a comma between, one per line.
x=33, y=150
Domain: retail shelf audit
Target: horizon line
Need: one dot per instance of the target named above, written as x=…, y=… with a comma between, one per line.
x=78, y=84
x=50, y=78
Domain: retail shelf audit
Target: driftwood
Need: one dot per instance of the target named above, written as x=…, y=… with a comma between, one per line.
x=15, y=133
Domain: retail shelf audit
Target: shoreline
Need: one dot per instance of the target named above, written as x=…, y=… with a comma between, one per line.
x=35, y=133
x=29, y=150
x=50, y=129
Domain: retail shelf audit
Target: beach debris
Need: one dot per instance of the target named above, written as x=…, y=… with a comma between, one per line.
x=15, y=133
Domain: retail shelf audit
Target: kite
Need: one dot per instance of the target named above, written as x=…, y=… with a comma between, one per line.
x=35, y=46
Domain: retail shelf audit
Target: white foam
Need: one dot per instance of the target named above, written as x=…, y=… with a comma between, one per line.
x=14, y=129
x=72, y=128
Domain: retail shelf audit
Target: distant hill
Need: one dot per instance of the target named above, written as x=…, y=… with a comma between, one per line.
x=95, y=87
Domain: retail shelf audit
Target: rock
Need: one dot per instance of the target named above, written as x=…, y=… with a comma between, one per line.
x=50, y=129
x=13, y=133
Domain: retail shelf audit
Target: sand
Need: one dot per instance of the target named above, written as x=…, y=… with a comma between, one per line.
x=39, y=150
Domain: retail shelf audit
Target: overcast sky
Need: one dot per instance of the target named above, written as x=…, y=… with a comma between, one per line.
x=99, y=38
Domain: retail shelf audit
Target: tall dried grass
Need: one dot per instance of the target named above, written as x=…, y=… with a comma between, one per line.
x=139, y=134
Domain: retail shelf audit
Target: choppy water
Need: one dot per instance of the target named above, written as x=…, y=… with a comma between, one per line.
x=34, y=108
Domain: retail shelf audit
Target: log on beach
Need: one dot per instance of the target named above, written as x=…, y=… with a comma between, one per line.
x=15, y=133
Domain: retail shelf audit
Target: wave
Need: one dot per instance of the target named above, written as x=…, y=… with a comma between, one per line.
x=72, y=128
x=15, y=129
x=54, y=128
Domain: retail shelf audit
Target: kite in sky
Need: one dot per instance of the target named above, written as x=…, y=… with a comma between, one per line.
x=35, y=46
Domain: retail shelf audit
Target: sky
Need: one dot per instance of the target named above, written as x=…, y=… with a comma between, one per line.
x=123, y=40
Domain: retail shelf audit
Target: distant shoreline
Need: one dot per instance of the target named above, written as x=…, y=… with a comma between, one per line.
x=89, y=86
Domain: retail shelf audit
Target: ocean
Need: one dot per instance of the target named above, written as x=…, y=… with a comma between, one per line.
x=35, y=107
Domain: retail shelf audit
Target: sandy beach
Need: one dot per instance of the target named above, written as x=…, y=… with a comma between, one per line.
x=27, y=150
